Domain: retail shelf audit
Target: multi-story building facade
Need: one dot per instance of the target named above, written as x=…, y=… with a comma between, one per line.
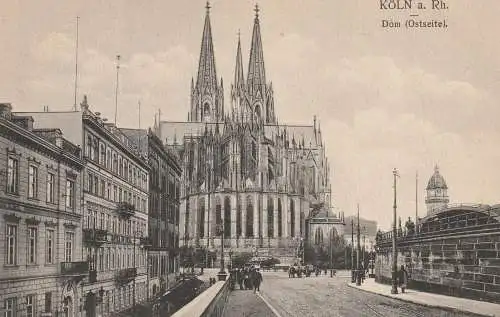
x=115, y=210
x=164, y=204
x=40, y=220
x=245, y=174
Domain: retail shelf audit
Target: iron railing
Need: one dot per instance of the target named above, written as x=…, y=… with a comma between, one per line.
x=95, y=236
x=448, y=225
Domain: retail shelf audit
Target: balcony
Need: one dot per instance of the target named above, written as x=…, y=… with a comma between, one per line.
x=95, y=236
x=120, y=239
x=74, y=268
x=126, y=275
x=125, y=209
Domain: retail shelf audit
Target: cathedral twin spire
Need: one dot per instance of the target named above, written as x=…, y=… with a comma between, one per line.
x=207, y=74
x=207, y=96
x=256, y=79
x=252, y=100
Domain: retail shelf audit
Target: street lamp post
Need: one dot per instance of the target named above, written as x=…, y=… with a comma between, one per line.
x=364, y=247
x=394, y=289
x=222, y=273
x=353, y=277
x=358, y=269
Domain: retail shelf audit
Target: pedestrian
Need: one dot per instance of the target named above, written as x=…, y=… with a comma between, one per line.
x=257, y=279
x=403, y=278
x=240, y=278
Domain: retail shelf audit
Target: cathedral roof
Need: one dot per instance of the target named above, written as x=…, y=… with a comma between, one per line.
x=437, y=180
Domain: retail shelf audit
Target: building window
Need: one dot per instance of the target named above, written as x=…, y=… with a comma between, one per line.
x=103, y=188
x=249, y=218
x=13, y=176
x=32, y=245
x=108, y=191
x=88, y=146
x=50, y=234
x=70, y=194
x=50, y=187
x=30, y=306
x=10, y=307
x=33, y=182
x=95, y=190
x=103, y=154
x=108, y=159
x=270, y=217
x=227, y=217
x=48, y=302
x=11, y=244
x=68, y=246
x=280, y=219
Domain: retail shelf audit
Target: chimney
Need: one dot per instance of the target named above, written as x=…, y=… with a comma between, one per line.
x=6, y=111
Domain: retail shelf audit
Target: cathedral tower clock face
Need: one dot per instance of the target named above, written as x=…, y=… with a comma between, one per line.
x=438, y=191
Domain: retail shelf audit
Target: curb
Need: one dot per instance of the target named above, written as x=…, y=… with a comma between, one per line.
x=450, y=309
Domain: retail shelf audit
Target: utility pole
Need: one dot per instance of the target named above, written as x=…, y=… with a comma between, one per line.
x=394, y=289
x=353, y=277
x=416, y=203
x=358, y=269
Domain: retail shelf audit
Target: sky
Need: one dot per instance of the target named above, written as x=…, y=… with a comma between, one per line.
x=385, y=98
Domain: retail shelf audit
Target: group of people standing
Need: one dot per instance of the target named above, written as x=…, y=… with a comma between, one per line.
x=248, y=278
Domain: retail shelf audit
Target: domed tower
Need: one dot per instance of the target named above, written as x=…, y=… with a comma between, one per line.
x=437, y=192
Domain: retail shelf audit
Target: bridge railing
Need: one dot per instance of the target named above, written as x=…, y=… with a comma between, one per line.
x=210, y=303
x=440, y=226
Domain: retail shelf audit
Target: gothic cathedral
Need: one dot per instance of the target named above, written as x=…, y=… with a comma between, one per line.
x=245, y=175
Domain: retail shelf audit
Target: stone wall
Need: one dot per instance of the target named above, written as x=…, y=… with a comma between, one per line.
x=465, y=265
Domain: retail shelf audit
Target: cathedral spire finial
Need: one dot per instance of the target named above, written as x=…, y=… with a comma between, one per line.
x=256, y=11
x=208, y=7
x=256, y=80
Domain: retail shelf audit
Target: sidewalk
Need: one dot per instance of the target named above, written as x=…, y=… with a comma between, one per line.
x=246, y=304
x=431, y=299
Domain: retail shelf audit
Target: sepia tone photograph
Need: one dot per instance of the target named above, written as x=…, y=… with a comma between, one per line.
x=237, y=158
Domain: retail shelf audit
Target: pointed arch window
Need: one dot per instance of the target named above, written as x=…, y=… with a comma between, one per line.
x=249, y=218
x=227, y=217
x=257, y=112
x=238, y=220
x=218, y=217
x=301, y=223
x=318, y=236
x=270, y=217
x=292, y=218
x=206, y=111
x=201, y=218
x=280, y=219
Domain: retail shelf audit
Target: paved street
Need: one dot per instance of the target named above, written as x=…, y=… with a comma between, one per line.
x=325, y=296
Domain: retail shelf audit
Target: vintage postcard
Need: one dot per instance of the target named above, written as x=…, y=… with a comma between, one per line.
x=249, y=158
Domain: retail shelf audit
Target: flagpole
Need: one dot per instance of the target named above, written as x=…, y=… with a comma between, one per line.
x=117, y=83
x=416, y=203
x=76, y=64
x=394, y=289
